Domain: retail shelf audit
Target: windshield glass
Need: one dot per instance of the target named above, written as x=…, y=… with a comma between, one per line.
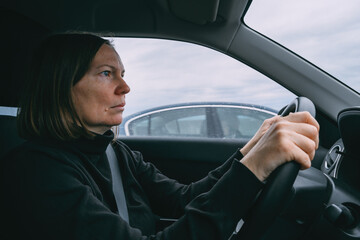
x=325, y=32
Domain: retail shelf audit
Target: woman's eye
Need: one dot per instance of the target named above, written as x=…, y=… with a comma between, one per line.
x=105, y=73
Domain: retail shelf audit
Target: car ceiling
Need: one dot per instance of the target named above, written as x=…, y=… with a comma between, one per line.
x=25, y=22
x=121, y=17
x=201, y=21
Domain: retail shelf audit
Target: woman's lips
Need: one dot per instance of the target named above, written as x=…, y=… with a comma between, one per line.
x=120, y=106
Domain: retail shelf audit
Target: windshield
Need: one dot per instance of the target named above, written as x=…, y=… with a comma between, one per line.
x=325, y=32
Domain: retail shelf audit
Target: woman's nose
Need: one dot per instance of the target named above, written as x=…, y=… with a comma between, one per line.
x=122, y=87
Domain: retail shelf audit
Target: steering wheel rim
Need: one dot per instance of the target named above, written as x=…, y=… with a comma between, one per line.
x=276, y=191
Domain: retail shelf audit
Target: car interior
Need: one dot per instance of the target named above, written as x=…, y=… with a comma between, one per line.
x=322, y=202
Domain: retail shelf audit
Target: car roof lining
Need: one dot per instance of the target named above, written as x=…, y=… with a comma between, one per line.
x=96, y=15
x=199, y=12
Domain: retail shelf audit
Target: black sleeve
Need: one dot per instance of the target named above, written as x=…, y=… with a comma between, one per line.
x=168, y=197
x=210, y=207
x=49, y=198
x=214, y=214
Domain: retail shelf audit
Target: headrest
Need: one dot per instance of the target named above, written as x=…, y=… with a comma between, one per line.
x=20, y=36
x=9, y=137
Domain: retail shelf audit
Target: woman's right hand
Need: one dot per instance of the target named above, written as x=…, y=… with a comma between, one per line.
x=280, y=140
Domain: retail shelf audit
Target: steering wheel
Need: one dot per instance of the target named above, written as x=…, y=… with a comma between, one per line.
x=276, y=191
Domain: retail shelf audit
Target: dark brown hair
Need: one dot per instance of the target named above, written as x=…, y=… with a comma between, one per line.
x=46, y=109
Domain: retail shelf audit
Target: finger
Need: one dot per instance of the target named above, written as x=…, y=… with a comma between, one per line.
x=304, y=124
x=306, y=144
x=301, y=157
x=298, y=151
x=308, y=131
x=305, y=129
x=302, y=117
x=292, y=136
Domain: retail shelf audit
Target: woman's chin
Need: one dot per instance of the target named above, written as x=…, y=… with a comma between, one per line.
x=116, y=121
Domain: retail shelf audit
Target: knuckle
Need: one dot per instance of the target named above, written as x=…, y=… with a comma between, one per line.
x=305, y=116
x=271, y=121
x=313, y=132
x=284, y=145
x=279, y=134
x=279, y=124
x=312, y=147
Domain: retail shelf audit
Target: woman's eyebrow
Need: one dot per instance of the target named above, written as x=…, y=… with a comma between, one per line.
x=106, y=65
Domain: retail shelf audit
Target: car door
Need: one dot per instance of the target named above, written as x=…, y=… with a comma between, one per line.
x=181, y=142
x=184, y=159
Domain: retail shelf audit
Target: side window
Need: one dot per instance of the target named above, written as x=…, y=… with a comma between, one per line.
x=164, y=73
x=192, y=126
x=139, y=127
x=9, y=111
x=241, y=122
x=184, y=122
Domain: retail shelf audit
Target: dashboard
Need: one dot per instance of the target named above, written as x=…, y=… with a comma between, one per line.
x=342, y=162
x=333, y=159
x=341, y=166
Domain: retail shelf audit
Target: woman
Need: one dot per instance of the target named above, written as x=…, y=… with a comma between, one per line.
x=58, y=184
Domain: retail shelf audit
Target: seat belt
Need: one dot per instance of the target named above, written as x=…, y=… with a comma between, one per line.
x=117, y=184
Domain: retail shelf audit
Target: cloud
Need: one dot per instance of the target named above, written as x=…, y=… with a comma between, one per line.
x=324, y=32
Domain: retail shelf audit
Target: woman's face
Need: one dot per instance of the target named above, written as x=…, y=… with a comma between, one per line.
x=99, y=96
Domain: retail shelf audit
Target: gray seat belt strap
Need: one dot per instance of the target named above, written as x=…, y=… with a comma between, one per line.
x=117, y=184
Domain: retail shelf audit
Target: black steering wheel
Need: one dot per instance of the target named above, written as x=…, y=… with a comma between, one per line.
x=275, y=194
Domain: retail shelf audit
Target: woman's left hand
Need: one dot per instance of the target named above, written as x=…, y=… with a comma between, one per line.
x=283, y=139
x=260, y=132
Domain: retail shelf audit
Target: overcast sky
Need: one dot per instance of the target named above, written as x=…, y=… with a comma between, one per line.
x=162, y=72
x=326, y=32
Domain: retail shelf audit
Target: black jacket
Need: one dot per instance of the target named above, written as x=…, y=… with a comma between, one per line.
x=63, y=190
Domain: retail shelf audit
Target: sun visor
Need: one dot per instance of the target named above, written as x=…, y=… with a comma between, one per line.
x=130, y=16
x=195, y=11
